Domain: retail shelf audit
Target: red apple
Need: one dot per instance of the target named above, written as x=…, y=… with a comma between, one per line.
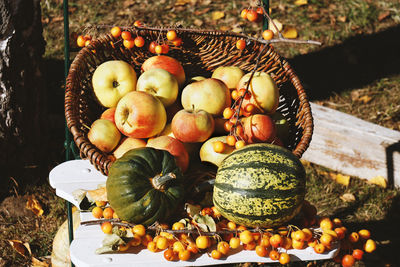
x=167, y=63
x=140, y=115
x=211, y=95
x=108, y=114
x=104, y=135
x=173, y=146
x=192, y=126
x=127, y=144
x=259, y=128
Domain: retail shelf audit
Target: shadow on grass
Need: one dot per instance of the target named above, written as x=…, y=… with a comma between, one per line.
x=356, y=62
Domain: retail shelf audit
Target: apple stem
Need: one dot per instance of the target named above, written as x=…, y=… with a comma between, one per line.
x=115, y=84
x=159, y=181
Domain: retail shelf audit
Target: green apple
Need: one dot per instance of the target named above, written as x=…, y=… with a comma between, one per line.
x=230, y=75
x=112, y=80
x=210, y=95
x=104, y=135
x=159, y=83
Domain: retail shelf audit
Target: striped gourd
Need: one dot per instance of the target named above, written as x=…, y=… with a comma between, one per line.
x=260, y=185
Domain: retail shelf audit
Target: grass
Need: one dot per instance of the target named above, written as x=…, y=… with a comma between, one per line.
x=332, y=22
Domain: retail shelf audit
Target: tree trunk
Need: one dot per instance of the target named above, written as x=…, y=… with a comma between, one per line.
x=22, y=87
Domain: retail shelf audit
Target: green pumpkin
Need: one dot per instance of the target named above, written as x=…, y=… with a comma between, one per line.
x=145, y=185
x=260, y=185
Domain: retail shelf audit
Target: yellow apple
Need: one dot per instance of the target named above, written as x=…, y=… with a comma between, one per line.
x=264, y=92
x=127, y=144
x=112, y=80
x=210, y=95
x=104, y=135
x=159, y=83
x=140, y=115
x=208, y=154
x=230, y=75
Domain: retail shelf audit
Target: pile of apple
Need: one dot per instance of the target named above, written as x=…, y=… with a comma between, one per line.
x=163, y=110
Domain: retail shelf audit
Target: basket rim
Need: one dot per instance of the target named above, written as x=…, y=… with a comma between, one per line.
x=103, y=162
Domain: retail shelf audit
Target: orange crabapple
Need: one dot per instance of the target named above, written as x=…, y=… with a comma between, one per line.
x=308, y=234
x=139, y=230
x=298, y=244
x=215, y=254
x=243, y=13
x=246, y=237
x=326, y=224
x=139, y=41
x=135, y=241
x=177, y=42
x=274, y=255
x=126, y=35
x=364, y=234
x=354, y=237
x=146, y=239
x=284, y=258
x=164, y=48
x=158, y=49
x=80, y=41
x=358, y=254
x=192, y=248
x=223, y=247
x=250, y=246
x=106, y=227
x=97, y=212
x=370, y=246
x=276, y=240
x=116, y=31
x=228, y=126
x=239, y=144
x=203, y=242
x=138, y=23
x=240, y=44
x=319, y=248
x=152, y=246
x=261, y=251
x=267, y=34
x=228, y=113
x=152, y=47
x=216, y=213
x=178, y=226
x=326, y=239
x=287, y=242
x=231, y=141
x=234, y=242
x=218, y=146
x=252, y=15
x=235, y=94
x=171, y=35
x=298, y=235
x=178, y=246
x=129, y=43
x=184, y=255
x=162, y=243
x=348, y=260
x=170, y=255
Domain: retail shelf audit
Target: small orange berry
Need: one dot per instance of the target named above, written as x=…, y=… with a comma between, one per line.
x=284, y=258
x=231, y=140
x=106, y=227
x=108, y=213
x=240, y=44
x=228, y=126
x=138, y=23
x=80, y=41
x=152, y=47
x=97, y=212
x=177, y=41
x=228, y=113
x=139, y=41
x=274, y=255
x=259, y=10
x=218, y=146
x=268, y=35
x=164, y=48
x=171, y=35
x=252, y=15
x=243, y=13
x=126, y=35
x=158, y=49
x=240, y=144
x=235, y=94
x=116, y=32
x=129, y=43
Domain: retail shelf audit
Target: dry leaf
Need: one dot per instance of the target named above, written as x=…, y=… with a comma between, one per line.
x=342, y=179
x=38, y=263
x=182, y=2
x=348, y=197
x=378, y=180
x=365, y=99
x=22, y=248
x=290, y=33
x=99, y=194
x=314, y=16
x=342, y=18
x=198, y=22
x=383, y=15
x=202, y=11
x=216, y=15
x=277, y=23
x=224, y=28
x=34, y=205
x=300, y=2
x=57, y=19
x=128, y=3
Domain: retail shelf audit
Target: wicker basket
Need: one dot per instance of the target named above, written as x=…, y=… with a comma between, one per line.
x=201, y=53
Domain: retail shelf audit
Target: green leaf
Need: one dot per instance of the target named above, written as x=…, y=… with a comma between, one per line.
x=205, y=222
x=110, y=244
x=192, y=209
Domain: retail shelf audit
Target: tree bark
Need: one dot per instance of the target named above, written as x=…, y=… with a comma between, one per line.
x=22, y=88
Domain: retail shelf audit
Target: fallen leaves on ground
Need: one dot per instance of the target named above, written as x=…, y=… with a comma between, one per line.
x=216, y=15
x=33, y=204
x=348, y=197
x=300, y=2
x=379, y=181
x=290, y=33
